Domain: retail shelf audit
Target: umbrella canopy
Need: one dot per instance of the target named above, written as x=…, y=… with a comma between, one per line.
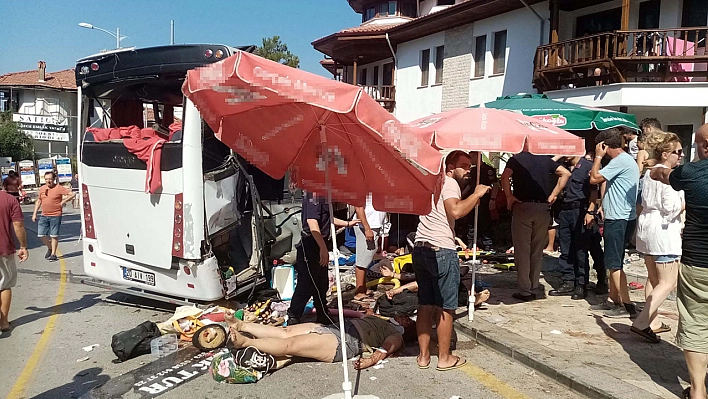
x=485, y=129
x=561, y=114
x=284, y=119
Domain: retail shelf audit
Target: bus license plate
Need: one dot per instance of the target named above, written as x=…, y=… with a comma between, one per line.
x=139, y=276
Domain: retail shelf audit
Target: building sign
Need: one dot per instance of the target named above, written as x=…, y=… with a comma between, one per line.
x=45, y=166
x=63, y=170
x=42, y=127
x=27, y=173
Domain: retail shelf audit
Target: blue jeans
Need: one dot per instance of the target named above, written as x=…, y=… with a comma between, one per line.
x=617, y=234
x=437, y=272
x=48, y=226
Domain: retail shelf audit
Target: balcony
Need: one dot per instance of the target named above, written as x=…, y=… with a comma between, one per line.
x=645, y=55
x=383, y=94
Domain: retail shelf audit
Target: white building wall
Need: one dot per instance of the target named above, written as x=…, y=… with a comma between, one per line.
x=522, y=37
x=412, y=100
x=51, y=103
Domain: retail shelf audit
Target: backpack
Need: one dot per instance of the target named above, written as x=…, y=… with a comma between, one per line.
x=134, y=342
x=405, y=303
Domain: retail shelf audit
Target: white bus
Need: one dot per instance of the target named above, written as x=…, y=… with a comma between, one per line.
x=217, y=223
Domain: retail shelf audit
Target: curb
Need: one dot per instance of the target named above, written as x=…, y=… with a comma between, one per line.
x=574, y=374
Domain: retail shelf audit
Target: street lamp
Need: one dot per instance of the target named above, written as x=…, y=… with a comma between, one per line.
x=116, y=35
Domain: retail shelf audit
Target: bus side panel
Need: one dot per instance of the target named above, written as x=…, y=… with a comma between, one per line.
x=129, y=223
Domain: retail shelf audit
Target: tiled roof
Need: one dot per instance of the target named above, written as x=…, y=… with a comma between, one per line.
x=371, y=28
x=62, y=80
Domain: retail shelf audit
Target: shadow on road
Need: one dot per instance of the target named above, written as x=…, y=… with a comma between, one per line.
x=78, y=305
x=83, y=382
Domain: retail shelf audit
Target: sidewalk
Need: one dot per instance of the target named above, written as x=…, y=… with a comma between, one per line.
x=563, y=339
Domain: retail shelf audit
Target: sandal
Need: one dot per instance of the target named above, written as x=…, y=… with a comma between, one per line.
x=458, y=363
x=427, y=366
x=664, y=328
x=647, y=334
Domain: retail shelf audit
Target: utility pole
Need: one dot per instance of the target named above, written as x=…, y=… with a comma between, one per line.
x=172, y=32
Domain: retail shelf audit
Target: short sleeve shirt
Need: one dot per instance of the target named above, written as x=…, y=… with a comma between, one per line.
x=51, y=199
x=436, y=227
x=578, y=187
x=692, y=178
x=9, y=212
x=622, y=175
x=532, y=176
x=315, y=207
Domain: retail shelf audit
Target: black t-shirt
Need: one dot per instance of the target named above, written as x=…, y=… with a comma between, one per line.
x=692, y=178
x=532, y=176
x=318, y=209
x=578, y=187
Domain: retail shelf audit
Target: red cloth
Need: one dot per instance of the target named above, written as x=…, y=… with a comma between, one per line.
x=150, y=151
x=9, y=212
x=118, y=133
x=174, y=127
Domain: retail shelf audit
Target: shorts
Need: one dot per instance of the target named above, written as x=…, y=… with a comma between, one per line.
x=666, y=258
x=48, y=226
x=351, y=336
x=692, y=301
x=617, y=234
x=365, y=250
x=8, y=272
x=437, y=272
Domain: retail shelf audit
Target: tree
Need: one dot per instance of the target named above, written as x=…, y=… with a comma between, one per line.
x=14, y=143
x=275, y=50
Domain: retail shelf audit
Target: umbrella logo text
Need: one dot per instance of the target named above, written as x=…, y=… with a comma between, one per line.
x=553, y=119
x=238, y=95
x=332, y=156
x=300, y=88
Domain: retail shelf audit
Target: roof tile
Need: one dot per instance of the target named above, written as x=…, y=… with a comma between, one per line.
x=63, y=80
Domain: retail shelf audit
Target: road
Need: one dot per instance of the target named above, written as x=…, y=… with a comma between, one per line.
x=54, y=316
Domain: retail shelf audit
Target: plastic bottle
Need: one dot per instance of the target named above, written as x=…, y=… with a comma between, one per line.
x=164, y=345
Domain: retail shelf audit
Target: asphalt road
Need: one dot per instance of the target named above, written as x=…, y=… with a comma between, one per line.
x=54, y=317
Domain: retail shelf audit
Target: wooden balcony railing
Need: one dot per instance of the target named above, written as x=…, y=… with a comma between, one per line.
x=645, y=55
x=384, y=94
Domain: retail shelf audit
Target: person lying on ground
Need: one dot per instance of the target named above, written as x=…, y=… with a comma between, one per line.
x=370, y=334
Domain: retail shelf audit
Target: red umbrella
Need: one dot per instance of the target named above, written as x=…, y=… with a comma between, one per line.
x=493, y=130
x=332, y=137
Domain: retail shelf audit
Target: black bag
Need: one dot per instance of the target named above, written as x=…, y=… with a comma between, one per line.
x=405, y=303
x=264, y=295
x=134, y=342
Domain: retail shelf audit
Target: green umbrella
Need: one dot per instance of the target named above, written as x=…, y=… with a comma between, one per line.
x=567, y=116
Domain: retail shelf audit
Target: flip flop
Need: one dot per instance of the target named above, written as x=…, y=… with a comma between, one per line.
x=427, y=366
x=646, y=333
x=457, y=365
x=664, y=328
x=9, y=327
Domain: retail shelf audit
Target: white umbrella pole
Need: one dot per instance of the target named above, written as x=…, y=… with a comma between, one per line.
x=470, y=306
x=346, y=385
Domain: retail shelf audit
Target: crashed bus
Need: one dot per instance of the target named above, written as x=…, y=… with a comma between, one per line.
x=176, y=215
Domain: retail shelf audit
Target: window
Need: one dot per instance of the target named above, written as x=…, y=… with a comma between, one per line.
x=499, y=51
x=369, y=13
x=383, y=9
x=439, y=57
x=480, y=51
x=446, y=2
x=424, y=66
x=392, y=7
x=376, y=75
x=362, y=81
x=408, y=9
x=388, y=74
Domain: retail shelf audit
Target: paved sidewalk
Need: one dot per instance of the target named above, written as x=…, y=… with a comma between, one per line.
x=562, y=338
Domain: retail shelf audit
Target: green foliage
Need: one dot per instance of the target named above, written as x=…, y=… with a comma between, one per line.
x=275, y=50
x=14, y=143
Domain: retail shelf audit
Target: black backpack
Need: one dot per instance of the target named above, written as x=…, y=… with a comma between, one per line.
x=134, y=342
x=405, y=303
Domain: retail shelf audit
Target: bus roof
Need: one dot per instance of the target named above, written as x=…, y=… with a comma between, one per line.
x=152, y=73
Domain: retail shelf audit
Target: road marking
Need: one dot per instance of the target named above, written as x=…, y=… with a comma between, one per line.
x=493, y=383
x=18, y=390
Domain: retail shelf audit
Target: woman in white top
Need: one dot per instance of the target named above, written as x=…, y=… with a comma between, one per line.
x=659, y=233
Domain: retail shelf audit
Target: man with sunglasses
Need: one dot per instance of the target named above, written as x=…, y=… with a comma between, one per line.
x=619, y=206
x=692, y=292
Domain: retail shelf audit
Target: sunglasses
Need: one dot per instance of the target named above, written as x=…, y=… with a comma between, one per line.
x=678, y=152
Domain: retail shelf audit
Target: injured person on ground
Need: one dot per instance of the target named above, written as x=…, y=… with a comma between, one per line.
x=369, y=335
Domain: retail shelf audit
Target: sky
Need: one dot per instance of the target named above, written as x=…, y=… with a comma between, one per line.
x=48, y=30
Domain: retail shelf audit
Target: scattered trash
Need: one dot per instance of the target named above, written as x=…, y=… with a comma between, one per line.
x=635, y=286
x=90, y=347
x=163, y=345
x=556, y=332
x=373, y=378
x=83, y=359
x=567, y=306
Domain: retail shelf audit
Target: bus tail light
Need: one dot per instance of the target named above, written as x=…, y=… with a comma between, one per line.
x=89, y=231
x=178, y=227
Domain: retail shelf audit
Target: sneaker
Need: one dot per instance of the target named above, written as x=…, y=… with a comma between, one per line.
x=580, y=292
x=566, y=289
x=522, y=297
x=606, y=305
x=52, y=258
x=619, y=311
x=539, y=292
x=632, y=310
x=48, y=254
x=251, y=357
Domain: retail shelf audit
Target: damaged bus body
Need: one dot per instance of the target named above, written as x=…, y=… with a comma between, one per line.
x=216, y=224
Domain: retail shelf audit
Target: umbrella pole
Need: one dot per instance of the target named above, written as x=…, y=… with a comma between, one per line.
x=470, y=305
x=346, y=385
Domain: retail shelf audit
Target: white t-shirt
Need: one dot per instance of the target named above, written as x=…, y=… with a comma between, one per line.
x=374, y=217
x=437, y=228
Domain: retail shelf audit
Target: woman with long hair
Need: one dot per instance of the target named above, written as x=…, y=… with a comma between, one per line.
x=659, y=232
